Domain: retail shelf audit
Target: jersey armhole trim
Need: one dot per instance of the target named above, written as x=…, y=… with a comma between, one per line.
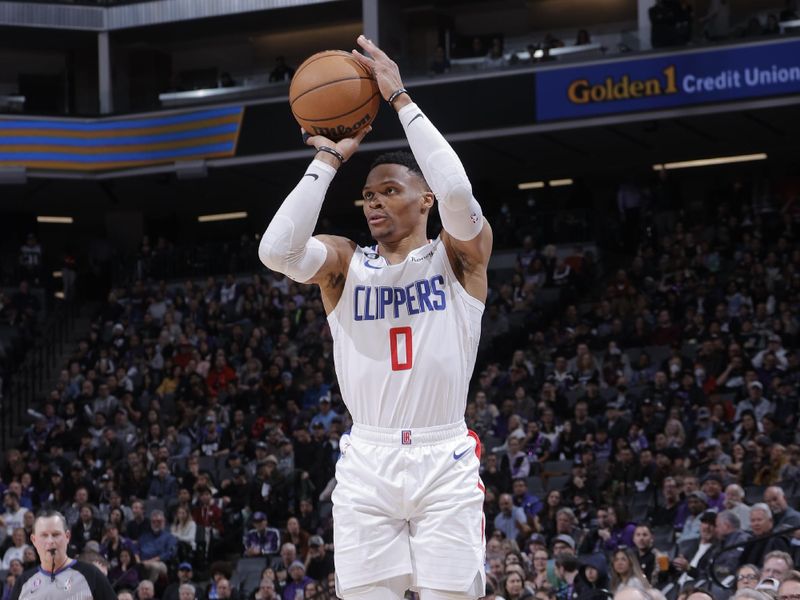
x=459, y=289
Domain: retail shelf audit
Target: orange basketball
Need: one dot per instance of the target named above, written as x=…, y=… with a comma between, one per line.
x=332, y=94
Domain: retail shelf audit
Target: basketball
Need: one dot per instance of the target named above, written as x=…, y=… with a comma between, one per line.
x=333, y=95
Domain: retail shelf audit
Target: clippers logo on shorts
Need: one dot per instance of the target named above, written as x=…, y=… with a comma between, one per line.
x=405, y=437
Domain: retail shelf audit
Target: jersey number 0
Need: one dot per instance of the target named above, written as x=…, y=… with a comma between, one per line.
x=401, y=347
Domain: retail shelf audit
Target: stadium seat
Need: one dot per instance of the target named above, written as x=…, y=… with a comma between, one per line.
x=557, y=482
x=754, y=493
x=208, y=463
x=557, y=466
x=152, y=504
x=247, y=575
x=664, y=537
x=535, y=486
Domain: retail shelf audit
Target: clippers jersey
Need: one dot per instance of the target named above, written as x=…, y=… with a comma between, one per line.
x=405, y=339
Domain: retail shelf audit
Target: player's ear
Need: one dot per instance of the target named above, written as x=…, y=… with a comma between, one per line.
x=426, y=200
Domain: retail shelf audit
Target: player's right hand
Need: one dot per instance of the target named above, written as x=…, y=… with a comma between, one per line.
x=346, y=147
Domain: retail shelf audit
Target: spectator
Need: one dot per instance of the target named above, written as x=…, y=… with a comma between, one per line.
x=187, y=591
x=495, y=57
x=734, y=502
x=513, y=587
x=281, y=71
x=643, y=544
x=761, y=524
x=583, y=38
x=697, y=503
x=146, y=590
x=87, y=528
x=717, y=22
x=17, y=550
x=225, y=591
x=30, y=259
x=747, y=577
x=695, y=558
x=157, y=547
x=789, y=13
x=783, y=515
x=138, y=525
x=776, y=565
x=319, y=562
x=625, y=571
x=164, y=485
x=567, y=571
x=266, y=590
x=297, y=580
x=280, y=564
x=790, y=586
x=208, y=516
x=184, y=529
x=296, y=536
x=440, y=64
x=185, y=573
x=592, y=576
x=14, y=515
x=511, y=520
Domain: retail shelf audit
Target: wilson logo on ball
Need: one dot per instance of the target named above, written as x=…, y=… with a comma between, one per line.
x=342, y=131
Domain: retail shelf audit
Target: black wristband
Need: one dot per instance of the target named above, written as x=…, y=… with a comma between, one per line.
x=332, y=151
x=395, y=95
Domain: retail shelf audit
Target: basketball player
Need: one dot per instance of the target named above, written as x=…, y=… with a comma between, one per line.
x=405, y=317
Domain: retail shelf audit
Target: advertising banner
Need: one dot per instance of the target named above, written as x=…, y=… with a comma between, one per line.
x=680, y=79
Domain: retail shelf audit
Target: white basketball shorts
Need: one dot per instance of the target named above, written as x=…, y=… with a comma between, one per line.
x=409, y=502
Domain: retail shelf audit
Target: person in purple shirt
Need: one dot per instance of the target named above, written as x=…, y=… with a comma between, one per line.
x=619, y=531
x=261, y=540
x=712, y=486
x=530, y=503
x=297, y=581
x=690, y=485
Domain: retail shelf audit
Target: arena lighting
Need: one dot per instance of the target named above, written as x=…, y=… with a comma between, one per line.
x=359, y=202
x=58, y=220
x=530, y=185
x=222, y=217
x=709, y=162
x=560, y=182
x=57, y=274
x=59, y=295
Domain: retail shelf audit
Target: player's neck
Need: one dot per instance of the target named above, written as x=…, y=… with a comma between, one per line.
x=397, y=251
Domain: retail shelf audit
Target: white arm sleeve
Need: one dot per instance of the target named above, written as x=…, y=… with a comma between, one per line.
x=287, y=245
x=461, y=214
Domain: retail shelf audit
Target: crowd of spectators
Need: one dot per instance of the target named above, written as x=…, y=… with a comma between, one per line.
x=631, y=431
x=21, y=308
x=674, y=22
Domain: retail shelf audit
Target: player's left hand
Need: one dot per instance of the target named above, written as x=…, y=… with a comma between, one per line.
x=385, y=70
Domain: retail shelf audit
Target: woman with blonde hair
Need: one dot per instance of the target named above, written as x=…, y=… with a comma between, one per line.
x=185, y=529
x=626, y=572
x=676, y=435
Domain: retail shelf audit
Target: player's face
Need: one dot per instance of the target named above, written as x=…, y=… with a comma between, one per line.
x=396, y=200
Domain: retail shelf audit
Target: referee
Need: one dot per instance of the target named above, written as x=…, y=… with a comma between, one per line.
x=59, y=577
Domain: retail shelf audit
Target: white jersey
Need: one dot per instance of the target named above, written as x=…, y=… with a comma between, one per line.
x=405, y=339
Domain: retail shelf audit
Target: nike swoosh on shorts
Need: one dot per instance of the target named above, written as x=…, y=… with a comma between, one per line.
x=458, y=456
